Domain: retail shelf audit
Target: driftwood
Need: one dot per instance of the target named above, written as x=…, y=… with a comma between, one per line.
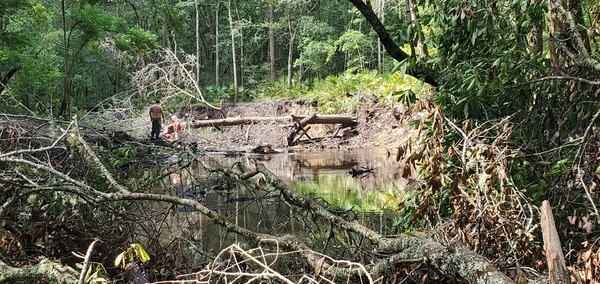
x=300, y=129
x=299, y=123
x=557, y=269
x=346, y=120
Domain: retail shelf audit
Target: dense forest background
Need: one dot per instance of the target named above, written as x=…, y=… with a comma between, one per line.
x=511, y=88
x=74, y=54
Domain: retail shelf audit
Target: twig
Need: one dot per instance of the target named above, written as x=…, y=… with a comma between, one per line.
x=86, y=262
x=579, y=157
x=585, y=137
x=42, y=149
x=564, y=78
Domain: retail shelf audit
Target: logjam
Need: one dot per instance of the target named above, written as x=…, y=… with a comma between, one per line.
x=300, y=127
x=346, y=120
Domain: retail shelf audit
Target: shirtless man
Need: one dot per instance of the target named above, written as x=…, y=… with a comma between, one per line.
x=156, y=116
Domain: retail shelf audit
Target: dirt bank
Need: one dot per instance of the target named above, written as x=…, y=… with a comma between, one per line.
x=378, y=125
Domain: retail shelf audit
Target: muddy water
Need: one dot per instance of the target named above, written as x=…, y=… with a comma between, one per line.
x=322, y=174
x=326, y=173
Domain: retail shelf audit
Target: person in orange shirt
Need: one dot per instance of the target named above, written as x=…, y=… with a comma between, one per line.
x=157, y=116
x=173, y=129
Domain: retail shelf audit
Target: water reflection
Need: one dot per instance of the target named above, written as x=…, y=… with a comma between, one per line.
x=322, y=174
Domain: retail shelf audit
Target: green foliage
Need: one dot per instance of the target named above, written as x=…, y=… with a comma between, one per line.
x=96, y=274
x=343, y=192
x=136, y=40
x=133, y=252
x=91, y=22
x=122, y=155
x=315, y=56
x=280, y=90
x=354, y=44
x=477, y=68
x=341, y=93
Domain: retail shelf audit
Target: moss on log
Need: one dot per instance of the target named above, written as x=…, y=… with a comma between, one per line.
x=45, y=271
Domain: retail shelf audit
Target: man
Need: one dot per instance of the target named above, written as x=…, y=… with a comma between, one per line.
x=156, y=116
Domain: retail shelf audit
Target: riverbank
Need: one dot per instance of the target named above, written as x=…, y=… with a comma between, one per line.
x=378, y=125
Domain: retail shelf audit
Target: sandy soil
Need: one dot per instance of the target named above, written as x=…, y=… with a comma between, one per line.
x=378, y=125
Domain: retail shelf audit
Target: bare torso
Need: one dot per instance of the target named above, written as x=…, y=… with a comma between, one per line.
x=156, y=111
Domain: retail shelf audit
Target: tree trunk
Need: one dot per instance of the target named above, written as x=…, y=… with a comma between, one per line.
x=537, y=39
x=557, y=32
x=390, y=46
x=552, y=246
x=271, y=41
x=290, y=65
x=64, y=106
x=197, y=6
x=414, y=20
x=318, y=119
x=576, y=9
x=45, y=271
x=217, y=58
x=381, y=12
x=233, y=57
x=6, y=77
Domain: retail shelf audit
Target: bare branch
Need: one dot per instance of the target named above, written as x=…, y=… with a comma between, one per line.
x=92, y=159
x=86, y=262
x=171, y=77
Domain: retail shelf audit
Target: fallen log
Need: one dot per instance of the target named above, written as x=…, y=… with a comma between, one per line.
x=343, y=119
x=45, y=271
x=300, y=127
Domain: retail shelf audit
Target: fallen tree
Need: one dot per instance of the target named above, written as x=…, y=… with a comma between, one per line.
x=345, y=120
x=45, y=269
x=384, y=253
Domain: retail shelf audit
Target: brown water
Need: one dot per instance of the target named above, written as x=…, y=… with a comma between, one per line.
x=325, y=173
x=318, y=173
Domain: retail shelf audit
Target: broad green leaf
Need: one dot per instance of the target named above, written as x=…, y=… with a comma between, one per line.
x=141, y=253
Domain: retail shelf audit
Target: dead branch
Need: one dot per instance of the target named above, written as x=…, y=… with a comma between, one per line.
x=451, y=260
x=556, y=261
x=46, y=269
x=171, y=77
x=93, y=160
x=86, y=262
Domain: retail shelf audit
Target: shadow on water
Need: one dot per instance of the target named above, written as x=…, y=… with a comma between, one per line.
x=322, y=174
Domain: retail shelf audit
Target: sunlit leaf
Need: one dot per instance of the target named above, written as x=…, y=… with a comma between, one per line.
x=140, y=253
x=119, y=260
